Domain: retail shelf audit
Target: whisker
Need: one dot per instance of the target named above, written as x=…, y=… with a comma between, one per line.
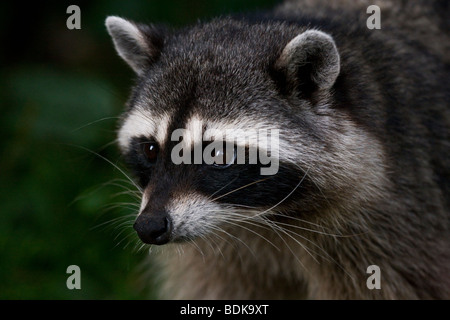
x=290, y=249
x=277, y=214
x=196, y=246
x=234, y=237
x=254, y=232
x=111, y=163
x=109, y=222
x=240, y=188
x=93, y=190
x=284, y=199
x=93, y=122
x=328, y=257
x=307, y=229
x=287, y=233
x=222, y=188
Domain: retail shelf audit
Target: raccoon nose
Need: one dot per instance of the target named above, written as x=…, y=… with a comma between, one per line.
x=154, y=228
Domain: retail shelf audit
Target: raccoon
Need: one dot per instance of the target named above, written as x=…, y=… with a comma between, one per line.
x=362, y=151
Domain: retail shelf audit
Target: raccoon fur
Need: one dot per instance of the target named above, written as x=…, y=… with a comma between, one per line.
x=364, y=147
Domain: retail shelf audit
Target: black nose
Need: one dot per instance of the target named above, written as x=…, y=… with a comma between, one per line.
x=153, y=228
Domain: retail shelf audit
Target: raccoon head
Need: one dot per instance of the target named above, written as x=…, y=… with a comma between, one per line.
x=264, y=92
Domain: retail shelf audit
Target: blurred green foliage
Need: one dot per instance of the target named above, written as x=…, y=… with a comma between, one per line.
x=63, y=200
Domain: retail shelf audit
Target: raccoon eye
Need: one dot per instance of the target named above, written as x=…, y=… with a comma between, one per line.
x=150, y=150
x=224, y=158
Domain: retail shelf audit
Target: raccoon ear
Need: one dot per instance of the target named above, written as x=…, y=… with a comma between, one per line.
x=310, y=61
x=139, y=45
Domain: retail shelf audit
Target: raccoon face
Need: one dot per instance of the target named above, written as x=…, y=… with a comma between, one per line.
x=231, y=120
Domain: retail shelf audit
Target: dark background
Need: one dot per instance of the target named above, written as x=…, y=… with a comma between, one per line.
x=62, y=200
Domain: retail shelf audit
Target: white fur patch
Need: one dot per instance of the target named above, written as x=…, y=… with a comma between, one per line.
x=141, y=122
x=188, y=213
x=243, y=132
x=144, y=202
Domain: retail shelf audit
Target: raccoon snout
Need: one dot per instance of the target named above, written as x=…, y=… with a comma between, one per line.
x=154, y=228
